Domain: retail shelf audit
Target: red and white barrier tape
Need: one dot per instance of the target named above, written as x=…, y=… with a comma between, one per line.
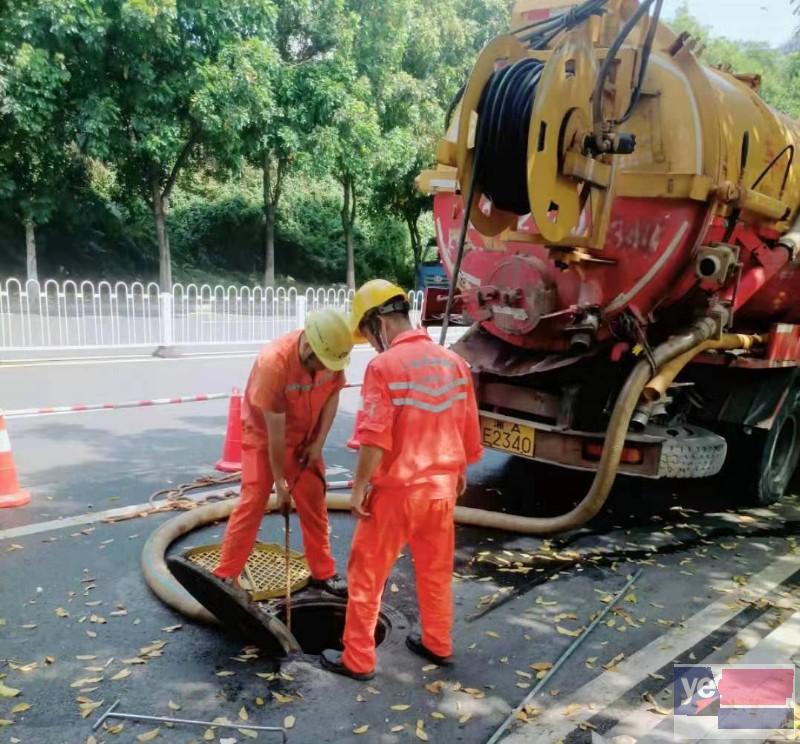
x=29, y=412
x=26, y=412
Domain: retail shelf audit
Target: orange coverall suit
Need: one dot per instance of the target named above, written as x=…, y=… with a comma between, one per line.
x=418, y=406
x=279, y=382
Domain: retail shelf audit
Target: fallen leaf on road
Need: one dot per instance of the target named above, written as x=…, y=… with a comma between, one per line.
x=420, y=731
x=541, y=666
x=491, y=634
x=172, y=628
x=288, y=722
x=61, y=612
x=435, y=687
x=654, y=706
x=259, y=701
x=361, y=729
x=121, y=674
x=571, y=709
x=394, y=588
x=612, y=664
x=465, y=718
x=91, y=634
x=5, y=722
x=86, y=681
x=149, y=735
x=565, y=616
x=283, y=699
x=439, y=716
x=21, y=707
x=430, y=667
x=567, y=632
x=243, y=714
x=543, y=602
x=400, y=707
x=360, y=698
x=173, y=706
x=134, y=660
x=372, y=690
x=29, y=626
x=23, y=667
x=396, y=728
x=225, y=674
x=85, y=657
x=631, y=598
x=249, y=733
x=209, y=735
x=88, y=707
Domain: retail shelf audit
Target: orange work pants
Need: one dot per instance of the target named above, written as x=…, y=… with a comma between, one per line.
x=421, y=517
x=308, y=494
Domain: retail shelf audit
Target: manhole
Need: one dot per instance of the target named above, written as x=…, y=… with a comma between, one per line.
x=318, y=624
x=317, y=619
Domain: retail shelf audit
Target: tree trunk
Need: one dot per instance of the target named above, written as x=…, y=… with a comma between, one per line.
x=416, y=243
x=164, y=258
x=269, y=220
x=348, y=220
x=30, y=250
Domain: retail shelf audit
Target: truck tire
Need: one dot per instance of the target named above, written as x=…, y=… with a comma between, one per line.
x=763, y=462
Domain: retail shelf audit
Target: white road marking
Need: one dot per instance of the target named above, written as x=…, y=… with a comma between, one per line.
x=83, y=519
x=605, y=689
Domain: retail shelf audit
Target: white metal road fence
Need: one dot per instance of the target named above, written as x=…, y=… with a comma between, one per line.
x=88, y=315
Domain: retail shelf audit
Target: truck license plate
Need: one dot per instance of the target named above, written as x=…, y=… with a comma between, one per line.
x=507, y=437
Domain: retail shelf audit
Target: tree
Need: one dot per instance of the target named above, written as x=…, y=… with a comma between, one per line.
x=349, y=146
x=40, y=81
x=148, y=119
x=439, y=40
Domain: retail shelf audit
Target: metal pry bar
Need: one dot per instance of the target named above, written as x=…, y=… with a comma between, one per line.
x=111, y=712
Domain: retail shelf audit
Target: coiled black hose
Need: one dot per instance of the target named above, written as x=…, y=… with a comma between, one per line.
x=504, y=117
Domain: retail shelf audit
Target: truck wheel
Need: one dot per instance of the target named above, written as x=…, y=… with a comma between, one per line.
x=764, y=461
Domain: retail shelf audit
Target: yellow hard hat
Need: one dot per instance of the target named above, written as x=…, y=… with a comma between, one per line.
x=330, y=338
x=373, y=294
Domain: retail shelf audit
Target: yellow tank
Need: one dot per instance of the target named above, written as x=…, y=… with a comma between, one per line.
x=699, y=160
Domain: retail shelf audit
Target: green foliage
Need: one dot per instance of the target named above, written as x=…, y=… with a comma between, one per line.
x=780, y=72
x=307, y=120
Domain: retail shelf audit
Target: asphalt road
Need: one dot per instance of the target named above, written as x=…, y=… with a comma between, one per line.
x=717, y=580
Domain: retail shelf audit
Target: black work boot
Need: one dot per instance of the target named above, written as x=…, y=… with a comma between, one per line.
x=335, y=585
x=332, y=661
x=414, y=643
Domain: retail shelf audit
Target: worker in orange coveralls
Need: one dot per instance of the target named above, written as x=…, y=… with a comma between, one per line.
x=418, y=430
x=288, y=408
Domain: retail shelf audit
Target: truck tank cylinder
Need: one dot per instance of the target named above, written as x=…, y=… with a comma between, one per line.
x=607, y=232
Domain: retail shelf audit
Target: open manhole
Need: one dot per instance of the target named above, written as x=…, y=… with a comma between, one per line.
x=318, y=623
x=317, y=619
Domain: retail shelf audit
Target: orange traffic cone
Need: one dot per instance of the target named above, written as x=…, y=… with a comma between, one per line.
x=231, y=460
x=10, y=492
x=353, y=442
